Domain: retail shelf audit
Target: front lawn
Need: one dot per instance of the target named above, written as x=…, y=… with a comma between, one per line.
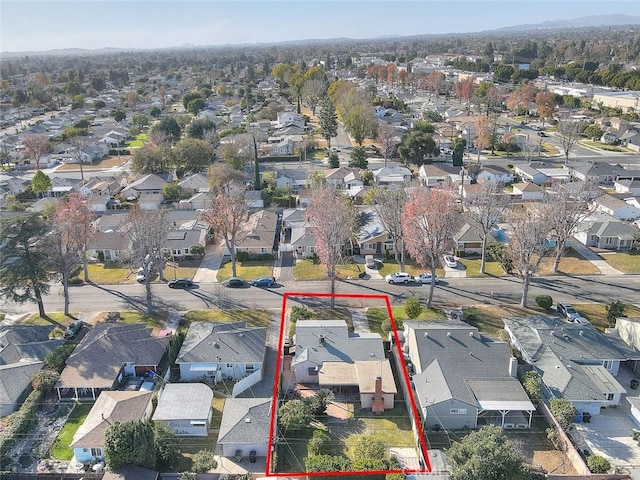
x=387, y=267
x=60, y=448
x=254, y=318
x=377, y=315
x=247, y=269
x=571, y=263
x=110, y=274
x=596, y=313
x=488, y=319
x=626, y=262
x=473, y=267
x=604, y=146
x=36, y=319
x=137, y=141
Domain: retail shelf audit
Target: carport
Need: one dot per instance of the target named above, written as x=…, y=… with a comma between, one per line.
x=503, y=399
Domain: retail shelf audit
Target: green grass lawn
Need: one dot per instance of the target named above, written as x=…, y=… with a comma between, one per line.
x=473, y=267
x=254, y=318
x=390, y=266
x=60, y=448
x=596, y=313
x=308, y=270
x=36, y=319
x=627, y=262
x=377, y=315
x=137, y=141
x=603, y=146
x=247, y=270
x=139, y=317
x=110, y=274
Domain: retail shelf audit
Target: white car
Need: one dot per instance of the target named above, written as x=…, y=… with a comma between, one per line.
x=399, y=277
x=450, y=261
x=426, y=278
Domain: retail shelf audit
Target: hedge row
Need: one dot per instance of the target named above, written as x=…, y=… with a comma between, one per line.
x=19, y=423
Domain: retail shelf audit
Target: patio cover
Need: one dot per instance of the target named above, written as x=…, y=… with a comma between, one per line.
x=503, y=394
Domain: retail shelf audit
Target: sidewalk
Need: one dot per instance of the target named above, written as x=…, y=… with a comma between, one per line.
x=594, y=258
x=208, y=270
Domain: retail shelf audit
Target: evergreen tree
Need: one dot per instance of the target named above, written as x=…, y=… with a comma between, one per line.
x=328, y=120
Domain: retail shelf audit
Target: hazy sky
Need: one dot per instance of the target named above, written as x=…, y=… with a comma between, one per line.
x=44, y=25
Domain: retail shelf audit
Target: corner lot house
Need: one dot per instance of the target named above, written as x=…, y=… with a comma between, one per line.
x=111, y=407
x=464, y=379
x=185, y=408
x=352, y=364
x=244, y=427
x=604, y=231
x=107, y=354
x=576, y=361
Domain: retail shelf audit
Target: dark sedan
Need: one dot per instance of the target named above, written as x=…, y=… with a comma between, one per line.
x=181, y=283
x=263, y=282
x=234, y=282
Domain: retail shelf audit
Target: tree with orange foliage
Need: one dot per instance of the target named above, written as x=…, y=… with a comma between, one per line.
x=35, y=146
x=70, y=235
x=435, y=81
x=484, y=137
x=546, y=102
x=333, y=222
x=429, y=221
x=464, y=90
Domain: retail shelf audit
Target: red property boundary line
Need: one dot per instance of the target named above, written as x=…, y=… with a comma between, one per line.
x=274, y=399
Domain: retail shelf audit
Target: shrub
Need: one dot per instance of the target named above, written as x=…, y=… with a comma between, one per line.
x=598, y=464
x=532, y=384
x=385, y=326
x=300, y=313
x=75, y=281
x=544, y=301
x=319, y=443
x=614, y=310
x=563, y=411
x=412, y=307
x=203, y=461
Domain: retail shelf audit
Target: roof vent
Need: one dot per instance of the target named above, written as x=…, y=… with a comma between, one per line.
x=581, y=333
x=247, y=420
x=565, y=336
x=471, y=334
x=426, y=334
x=321, y=338
x=552, y=333
x=241, y=334
x=448, y=334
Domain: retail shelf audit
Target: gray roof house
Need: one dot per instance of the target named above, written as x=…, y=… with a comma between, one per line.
x=245, y=427
x=258, y=234
x=576, y=361
x=185, y=408
x=373, y=237
x=221, y=351
x=296, y=235
x=463, y=379
x=530, y=173
x=604, y=231
x=600, y=172
x=616, y=207
x=111, y=407
x=352, y=363
x=23, y=349
x=106, y=354
x=293, y=178
x=198, y=182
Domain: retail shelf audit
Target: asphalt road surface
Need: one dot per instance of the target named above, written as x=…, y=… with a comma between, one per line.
x=452, y=292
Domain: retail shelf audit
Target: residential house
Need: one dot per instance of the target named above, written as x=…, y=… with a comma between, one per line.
x=343, y=177
x=530, y=173
x=258, y=234
x=110, y=222
x=630, y=187
x=354, y=364
x=432, y=175
x=111, y=407
x=254, y=199
x=107, y=354
x=221, y=351
x=245, y=427
x=198, y=182
x=527, y=191
x=616, y=207
x=61, y=186
x=198, y=201
x=100, y=192
x=398, y=176
x=108, y=246
x=23, y=349
x=628, y=329
x=296, y=235
x=147, y=190
x=13, y=186
x=288, y=118
x=468, y=240
x=463, y=379
x=304, y=197
x=185, y=408
x=600, y=172
x=631, y=140
x=292, y=178
x=180, y=241
x=373, y=237
x=494, y=174
x=575, y=361
x=604, y=231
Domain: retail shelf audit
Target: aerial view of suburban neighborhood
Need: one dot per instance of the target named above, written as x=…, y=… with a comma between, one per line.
x=337, y=239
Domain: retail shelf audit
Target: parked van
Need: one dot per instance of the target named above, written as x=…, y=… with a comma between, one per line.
x=369, y=261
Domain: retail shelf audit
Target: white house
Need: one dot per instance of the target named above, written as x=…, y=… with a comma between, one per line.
x=631, y=187
x=185, y=408
x=616, y=208
x=494, y=174
x=527, y=191
x=530, y=173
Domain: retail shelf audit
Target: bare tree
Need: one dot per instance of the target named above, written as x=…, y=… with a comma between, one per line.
x=67, y=242
x=132, y=99
x=529, y=149
x=484, y=209
x=147, y=232
x=76, y=151
x=390, y=204
x=228, y=209
x=528, y=243
x=333, y=221
x=566, y=207
x=387, y=137
x=429, y=222
x=569, y=134
x=313, y=91
x=237, y=150
x=35, y=146
x=162, y=97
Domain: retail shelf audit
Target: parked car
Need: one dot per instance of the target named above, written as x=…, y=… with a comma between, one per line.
x=263, y=282
x=369, y=261
x=450, y=261
x=73, y=329
x=567, y=311
x=181, y=283
x=541, y=134
x=140, y=275
x=399, y=277
x=426, y=278
x=234, y=282
x=580, y=320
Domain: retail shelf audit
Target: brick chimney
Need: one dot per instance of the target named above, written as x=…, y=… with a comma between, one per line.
x=377, y=405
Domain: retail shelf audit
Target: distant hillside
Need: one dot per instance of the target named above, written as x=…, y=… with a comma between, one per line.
x=590, y=21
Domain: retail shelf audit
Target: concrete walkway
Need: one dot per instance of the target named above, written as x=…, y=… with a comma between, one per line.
x=208, y=270
x=359, y=318
x=594, y=258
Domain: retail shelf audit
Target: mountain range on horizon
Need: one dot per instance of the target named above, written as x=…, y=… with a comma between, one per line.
x=610, y=20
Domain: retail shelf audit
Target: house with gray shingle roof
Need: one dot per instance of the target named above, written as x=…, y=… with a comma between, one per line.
x=527, y=191
x=576, y=361
x=111, y=407
x=297, y=235
x=373, y=236
x=531, y=173
x=600, y=172
x=258, y=234
x=222, y=351
x=108, y=353
x=349, y=363
x=616, y=207
x=468, y=240
x=23, y=349
x=630, y=187
x=604, y=231
x=244, y=427
x=463, y=379
x=185, y=408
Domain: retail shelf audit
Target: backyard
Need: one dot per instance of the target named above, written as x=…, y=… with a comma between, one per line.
x=60, y=448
